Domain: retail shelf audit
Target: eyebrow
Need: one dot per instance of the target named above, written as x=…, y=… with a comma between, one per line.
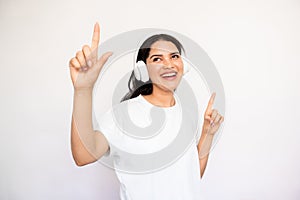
x=161, y=54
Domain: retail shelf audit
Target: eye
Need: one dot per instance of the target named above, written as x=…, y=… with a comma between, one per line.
x=156, y=59
x=175, y=56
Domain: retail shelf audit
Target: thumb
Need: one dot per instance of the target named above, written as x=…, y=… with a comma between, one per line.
x=207, y=117
x=102, y=60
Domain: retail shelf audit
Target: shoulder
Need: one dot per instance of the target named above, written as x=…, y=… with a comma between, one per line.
x=121, y=109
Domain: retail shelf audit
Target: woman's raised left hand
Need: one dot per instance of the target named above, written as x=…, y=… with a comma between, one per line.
x=212, y=118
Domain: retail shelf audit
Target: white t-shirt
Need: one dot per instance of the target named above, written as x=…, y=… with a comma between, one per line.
x=159, y=178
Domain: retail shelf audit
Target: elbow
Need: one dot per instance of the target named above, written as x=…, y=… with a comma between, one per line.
x=201, y=175
x=80, y=162
x=82, y=158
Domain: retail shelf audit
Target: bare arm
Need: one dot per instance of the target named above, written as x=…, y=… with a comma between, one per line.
x=87, y=145
x=212, y=122
x=204, y=146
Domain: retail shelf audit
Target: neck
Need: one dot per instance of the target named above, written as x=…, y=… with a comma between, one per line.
x=161, y=98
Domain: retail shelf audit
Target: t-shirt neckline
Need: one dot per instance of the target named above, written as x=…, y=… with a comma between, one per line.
x=164, y=108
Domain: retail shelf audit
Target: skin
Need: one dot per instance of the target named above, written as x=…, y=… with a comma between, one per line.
x=163, y=58
x=88, y=145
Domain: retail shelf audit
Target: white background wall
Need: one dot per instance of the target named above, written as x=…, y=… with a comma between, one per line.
x=255, y=46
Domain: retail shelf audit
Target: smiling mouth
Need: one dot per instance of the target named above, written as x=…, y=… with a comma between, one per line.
x=169, y=76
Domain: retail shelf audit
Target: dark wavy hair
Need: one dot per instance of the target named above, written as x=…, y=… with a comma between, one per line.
x=137, y=87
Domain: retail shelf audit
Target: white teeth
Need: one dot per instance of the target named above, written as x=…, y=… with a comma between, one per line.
x=169, y=74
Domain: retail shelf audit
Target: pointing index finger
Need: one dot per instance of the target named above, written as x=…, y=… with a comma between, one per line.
x=211, y=102
x=96, y=36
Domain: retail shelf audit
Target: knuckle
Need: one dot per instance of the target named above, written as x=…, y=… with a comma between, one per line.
x=78, y=53
x=221, y=120
x=85, y=47
x=73, y=62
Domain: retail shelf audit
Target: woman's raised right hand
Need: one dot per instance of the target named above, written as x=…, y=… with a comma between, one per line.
x=85, y=66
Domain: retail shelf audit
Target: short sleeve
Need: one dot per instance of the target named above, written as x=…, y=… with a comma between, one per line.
x=105, y=124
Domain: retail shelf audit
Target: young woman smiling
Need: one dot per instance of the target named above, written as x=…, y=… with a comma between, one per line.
x=162, y=57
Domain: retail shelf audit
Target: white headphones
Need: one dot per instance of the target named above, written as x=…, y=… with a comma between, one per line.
x=140, y=71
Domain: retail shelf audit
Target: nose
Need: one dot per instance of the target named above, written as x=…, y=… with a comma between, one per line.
x=168, y=63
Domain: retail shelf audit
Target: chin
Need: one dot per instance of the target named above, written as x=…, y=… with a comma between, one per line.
x=168, y=88
x=171, y=86
x=167, y=85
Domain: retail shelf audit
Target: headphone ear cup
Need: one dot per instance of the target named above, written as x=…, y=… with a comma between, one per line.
x=140, y=71
x=137, y=72
x=186, y=67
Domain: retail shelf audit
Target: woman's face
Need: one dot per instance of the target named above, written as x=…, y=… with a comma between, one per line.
x=165, y=66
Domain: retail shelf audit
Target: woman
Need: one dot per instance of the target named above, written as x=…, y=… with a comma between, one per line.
x=162, y=56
